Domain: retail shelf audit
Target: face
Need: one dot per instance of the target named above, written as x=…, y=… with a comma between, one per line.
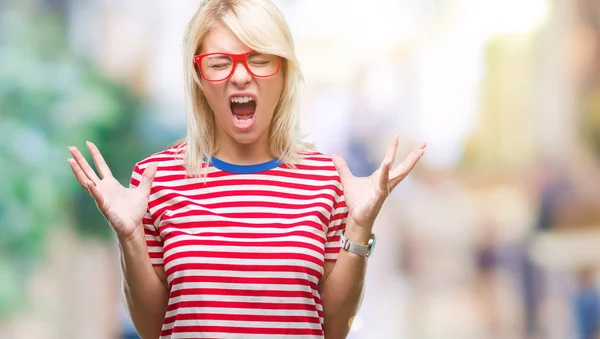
x=243, y=105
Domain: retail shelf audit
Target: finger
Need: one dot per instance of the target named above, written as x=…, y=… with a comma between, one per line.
x=147, y=178
x=384, y=178
x=400, y=172
x=93, y=189
x=341, y=167
x=101, y=165
x=386, y=164
x=392, y=149
x=83, y=164
x=79, y=175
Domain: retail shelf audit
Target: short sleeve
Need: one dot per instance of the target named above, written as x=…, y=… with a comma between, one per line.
x=337, y=223
x=153, y=239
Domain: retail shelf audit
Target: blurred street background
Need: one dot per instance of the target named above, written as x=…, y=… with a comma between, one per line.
x=495, y=234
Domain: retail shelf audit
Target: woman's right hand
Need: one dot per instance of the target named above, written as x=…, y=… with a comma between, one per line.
x=124, y=208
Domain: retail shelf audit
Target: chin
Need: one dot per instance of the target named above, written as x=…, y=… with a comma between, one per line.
x=246, y=138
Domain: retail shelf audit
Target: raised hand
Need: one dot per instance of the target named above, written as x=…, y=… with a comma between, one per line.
x=123, y=208
x=365, y=195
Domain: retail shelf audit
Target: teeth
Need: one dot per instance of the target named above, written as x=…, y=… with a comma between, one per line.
x=241, y=100
x=242, y=121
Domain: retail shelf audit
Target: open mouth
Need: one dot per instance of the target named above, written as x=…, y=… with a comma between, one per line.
x=242, y=111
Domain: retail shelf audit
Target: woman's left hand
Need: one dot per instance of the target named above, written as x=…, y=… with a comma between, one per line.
x=365, y=195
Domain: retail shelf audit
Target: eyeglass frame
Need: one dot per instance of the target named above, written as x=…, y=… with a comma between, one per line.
x=237, y=58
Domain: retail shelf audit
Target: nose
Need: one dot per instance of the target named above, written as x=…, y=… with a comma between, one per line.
x=241, y=76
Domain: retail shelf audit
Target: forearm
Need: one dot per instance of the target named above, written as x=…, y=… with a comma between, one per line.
x=343, y=289
x=145, y=294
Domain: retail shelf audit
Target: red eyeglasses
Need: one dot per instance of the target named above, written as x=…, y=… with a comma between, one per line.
x=220, y=66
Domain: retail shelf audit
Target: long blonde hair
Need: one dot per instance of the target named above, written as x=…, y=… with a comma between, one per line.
x=261, y=26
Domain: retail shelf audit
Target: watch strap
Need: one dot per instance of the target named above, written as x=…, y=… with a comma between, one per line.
x=357, y=248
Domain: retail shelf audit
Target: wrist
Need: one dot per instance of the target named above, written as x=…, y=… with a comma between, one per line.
x=358, y=234
x=136, y=236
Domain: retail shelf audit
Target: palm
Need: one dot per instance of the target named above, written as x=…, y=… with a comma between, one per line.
x=362, y=198
x=365, y=195
x=124, y=208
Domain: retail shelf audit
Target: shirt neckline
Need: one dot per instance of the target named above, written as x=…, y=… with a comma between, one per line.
x=245, y=169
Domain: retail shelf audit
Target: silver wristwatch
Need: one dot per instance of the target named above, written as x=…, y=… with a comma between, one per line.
x=356, y=248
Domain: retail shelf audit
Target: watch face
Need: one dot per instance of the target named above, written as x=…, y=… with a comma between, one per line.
x=372, y=242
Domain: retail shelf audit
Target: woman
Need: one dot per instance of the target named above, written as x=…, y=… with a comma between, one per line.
x=235, y=232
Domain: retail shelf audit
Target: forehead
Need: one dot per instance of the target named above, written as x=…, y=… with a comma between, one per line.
x=221, y=39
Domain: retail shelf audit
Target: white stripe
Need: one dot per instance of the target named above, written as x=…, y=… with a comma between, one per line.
x=181, y=197
x=246, y=274
x=156, y=248
x=228, y=230
x=240, y=298
x=337, y=222
x=340, y=209
x=331, y=256
x=313, y=181
x=279, y=179
x=194, y=234
x=245, y=198
x=238, y=323
x=252, y=221
x=242, y=249
x=247, y=262
x=332, y=244
x=250, y=210
x=221, y=335
x=136, y=176
x=237, y=189
x=248, y=311
x=165, y=159
x=246, y=287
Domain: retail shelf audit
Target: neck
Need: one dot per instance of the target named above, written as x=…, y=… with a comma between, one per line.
x=233, y=152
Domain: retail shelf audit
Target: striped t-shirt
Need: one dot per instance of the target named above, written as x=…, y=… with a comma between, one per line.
x=243, y=250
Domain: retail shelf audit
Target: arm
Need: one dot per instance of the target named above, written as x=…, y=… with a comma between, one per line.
x=343, y=282
x=144, y=286
x=126, y=210
x=343, y=288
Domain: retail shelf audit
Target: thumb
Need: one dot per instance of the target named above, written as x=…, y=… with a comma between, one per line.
x=341, y=167
x=147, y=178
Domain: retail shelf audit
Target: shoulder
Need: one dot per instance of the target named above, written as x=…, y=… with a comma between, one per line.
x=171, y=156
x=318, y=166
x=169, y=162
x=316, y=160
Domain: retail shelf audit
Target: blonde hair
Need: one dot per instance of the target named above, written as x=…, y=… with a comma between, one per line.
x=261, y=26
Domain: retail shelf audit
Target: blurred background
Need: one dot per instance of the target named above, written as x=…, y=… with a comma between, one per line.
x=495, y=234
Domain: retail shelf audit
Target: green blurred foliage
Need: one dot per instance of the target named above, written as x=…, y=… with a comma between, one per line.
x=51, y=98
